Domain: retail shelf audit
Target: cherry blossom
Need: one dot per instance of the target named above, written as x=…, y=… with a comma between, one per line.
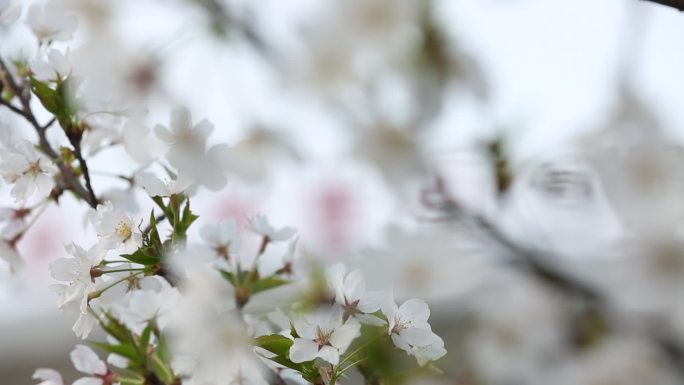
x=187, y=149
x=260, y=225
x=51, y=22
x=115, y=229
x=154, y=186
x=223, y=240
x=147, y=305
x=76, y=272
x=350, y=293
x=57, y=66
x=324, y=335
x=184, y=140
x=410, y=331
x=28, y=170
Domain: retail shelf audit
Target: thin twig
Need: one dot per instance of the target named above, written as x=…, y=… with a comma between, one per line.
x=84, y=170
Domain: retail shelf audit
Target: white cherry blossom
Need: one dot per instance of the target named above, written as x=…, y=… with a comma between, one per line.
x=350, y=293
x=28, y=170
x=187, y=149
x=76, y=272
x=115, y=229
x=55, y=68
x=260, y=225
x=410, y=331
x=324, y=335
x=155, y=186
x=223, y=241
x=289, y=262
x=146, y=305
x=51, y=22
x=184, y=140
x=413, y=313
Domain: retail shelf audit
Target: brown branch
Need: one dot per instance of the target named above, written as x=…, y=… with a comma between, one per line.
x=84, y=170
x=676, y=4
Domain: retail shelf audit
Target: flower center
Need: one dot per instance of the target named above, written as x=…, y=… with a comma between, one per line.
x=34, y=169
x=222, y=251
x=322, y=337
x=399, y=325
x=123, y=230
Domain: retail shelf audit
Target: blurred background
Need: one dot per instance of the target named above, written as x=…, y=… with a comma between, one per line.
x=395, y=134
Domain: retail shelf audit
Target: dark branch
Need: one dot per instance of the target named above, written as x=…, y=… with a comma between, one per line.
x=676, y=4
x=85, y=171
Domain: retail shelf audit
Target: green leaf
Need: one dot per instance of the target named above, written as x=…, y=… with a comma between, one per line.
x=162, y=350
x=283, y=360
x=145, y=340
x=141, y=257
x=116, y=329
x=49, y=98
x=130, y=381
x=161, y=369
x=231, y=277
x=268, y=283
x=274, y=343
x=154, y=239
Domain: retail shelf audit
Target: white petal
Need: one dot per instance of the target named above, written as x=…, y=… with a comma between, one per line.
x=304, y=328
x=45, y=183
x=370, y=302
x=85, y=322
x=414, y=311
x=117, y=360
x=63, y=269
x=153, y=185
x=22, y=189
x=330, y=354
x=354, y=286
x=180, y=119
x=10, y=15
x=48, y=376
x=86, y=361
x=204, y=128
x=164, y=134
x=343, y=336
x=303, y=350
x=418, y=336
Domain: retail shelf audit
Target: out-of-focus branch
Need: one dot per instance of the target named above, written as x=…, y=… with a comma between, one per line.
x=538, y=268
x=676, y=4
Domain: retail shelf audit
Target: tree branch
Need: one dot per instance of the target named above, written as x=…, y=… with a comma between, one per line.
x=676, y=4
x=538, y=268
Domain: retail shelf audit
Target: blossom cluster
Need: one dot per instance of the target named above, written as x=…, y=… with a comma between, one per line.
x=169, y=294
